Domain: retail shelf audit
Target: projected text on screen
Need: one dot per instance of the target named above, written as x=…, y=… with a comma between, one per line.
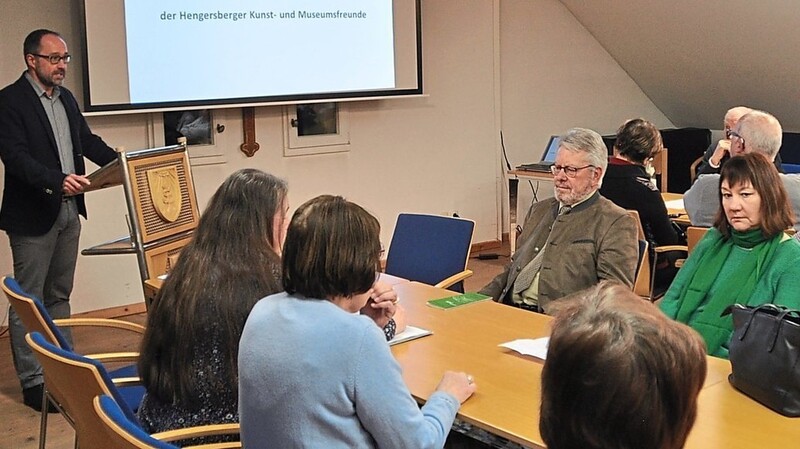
x=219, y=49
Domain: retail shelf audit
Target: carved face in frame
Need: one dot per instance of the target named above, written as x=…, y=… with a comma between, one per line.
x=165, y=192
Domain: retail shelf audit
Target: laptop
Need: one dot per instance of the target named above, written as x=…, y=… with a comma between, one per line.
x=548, y=157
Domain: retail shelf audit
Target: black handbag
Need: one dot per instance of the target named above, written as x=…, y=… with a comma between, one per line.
x=765, y=356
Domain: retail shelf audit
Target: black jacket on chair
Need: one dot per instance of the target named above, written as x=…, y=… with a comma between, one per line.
x=629, y=187
x=33, y=174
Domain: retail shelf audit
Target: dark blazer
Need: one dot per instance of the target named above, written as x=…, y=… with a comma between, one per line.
x=596, y=240
x=33, y=174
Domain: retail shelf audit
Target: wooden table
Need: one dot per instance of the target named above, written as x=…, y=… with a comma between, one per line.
x=509, y=394
x=466, y=339
x=679, y=216
x=729, y=419
x=153, y=285
x=513, y=177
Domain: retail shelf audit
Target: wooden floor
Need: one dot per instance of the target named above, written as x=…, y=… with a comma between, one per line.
x=19, y=425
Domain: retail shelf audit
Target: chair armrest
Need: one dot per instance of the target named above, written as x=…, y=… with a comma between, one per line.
x=100, y=322
x=200, y=431
x=114, y=357
x=665, y=248
x=453, y=279
x=230, y=445
x=120, y=382
x=693, y=168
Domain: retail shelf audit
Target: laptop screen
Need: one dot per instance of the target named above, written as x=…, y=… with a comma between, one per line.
x=552, y=149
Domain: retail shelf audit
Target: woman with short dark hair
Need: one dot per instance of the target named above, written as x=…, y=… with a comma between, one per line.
x=628, y=184
x=746, y=258
x=619, y=374
x=315, y=373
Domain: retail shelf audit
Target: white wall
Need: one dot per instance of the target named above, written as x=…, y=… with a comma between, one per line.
x=696, y=59
x=555, y=76
x=431, y=154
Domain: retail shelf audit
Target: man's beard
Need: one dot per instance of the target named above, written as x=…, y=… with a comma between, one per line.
x=573, y=196
x=48, y=80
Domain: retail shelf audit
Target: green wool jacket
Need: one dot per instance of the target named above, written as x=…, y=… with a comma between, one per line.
x=779, y=284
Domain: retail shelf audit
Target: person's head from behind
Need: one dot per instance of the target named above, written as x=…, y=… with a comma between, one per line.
x=757, y=131
x=234, y=255
x=752, y=196
x=250, y=209
x=232, y=261
x=619, y=374
x=638, y=140
x=332, y=251
x=580, y=163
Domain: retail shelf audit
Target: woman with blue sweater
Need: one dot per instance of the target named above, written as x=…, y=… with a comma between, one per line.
x=746, y=258
x=313, y=372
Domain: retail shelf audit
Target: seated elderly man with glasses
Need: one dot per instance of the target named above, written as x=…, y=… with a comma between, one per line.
x=722, y=150
x=757, y=132
x=574, y=240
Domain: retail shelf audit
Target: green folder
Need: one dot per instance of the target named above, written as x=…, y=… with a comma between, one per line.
x=457, y=300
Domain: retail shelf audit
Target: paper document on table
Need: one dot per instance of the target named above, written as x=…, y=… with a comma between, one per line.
x=411, y=333
x=675, y=204
x=162, y=277
x=526, y=346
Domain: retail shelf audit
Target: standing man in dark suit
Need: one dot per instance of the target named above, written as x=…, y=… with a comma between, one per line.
x=43, y=139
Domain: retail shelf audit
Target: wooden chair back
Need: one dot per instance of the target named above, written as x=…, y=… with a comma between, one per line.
x=661, y=169
x=117, y=431
x=32, y=313
x=642, y=280
x=72, y=382
x=120, y=433
x=693, y=235
x=693, y=168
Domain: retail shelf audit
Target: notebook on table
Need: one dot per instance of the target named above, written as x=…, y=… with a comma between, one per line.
x=548, y=157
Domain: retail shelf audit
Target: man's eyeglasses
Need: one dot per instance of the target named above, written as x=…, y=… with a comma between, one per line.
x=55, y=59
x=569, y=171
x=733, y=135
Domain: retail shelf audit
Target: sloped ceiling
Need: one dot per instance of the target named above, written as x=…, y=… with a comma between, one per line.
x=697, y=58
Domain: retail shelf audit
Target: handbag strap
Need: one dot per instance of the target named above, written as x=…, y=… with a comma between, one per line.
x=771, y=309
x=776, y=330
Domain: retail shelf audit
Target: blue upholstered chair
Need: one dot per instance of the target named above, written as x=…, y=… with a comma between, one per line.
x=35, y=318
x=119, y=432
x=432, y=249
x=72, y=383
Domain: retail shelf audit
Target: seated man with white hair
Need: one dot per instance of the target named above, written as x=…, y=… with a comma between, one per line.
x=756, y=131
x=574, y=240
x=721, y=151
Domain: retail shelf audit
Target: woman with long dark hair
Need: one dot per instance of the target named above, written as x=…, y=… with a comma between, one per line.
x=188, y=353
